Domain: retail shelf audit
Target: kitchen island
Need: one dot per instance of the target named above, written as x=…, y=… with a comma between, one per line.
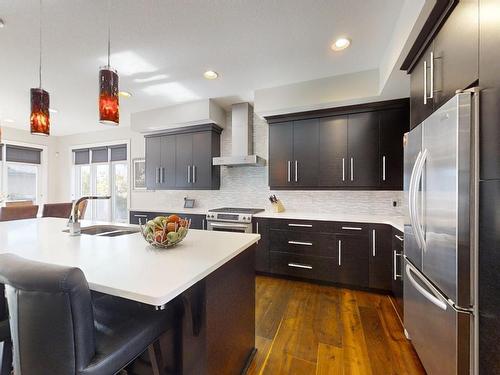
x=212, y=273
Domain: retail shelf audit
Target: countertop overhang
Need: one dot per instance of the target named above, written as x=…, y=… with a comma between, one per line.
x=125, y=266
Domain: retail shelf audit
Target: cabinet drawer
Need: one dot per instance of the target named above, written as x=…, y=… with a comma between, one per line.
x=351, y=228
x=304, y=266
x=302, y=225
x=303, y=243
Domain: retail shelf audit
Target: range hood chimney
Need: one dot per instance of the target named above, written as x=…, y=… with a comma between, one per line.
x=242, y=139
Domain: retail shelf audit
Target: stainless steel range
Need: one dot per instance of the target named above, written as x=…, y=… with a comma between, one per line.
x=231, y=219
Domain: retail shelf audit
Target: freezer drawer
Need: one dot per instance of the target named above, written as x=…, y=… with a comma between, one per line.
x=439, y=333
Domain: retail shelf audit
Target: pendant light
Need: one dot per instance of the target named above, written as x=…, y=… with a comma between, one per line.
x=109, y=106
x=40, y=101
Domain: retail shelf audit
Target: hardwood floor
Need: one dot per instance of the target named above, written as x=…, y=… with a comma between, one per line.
x=305, y=328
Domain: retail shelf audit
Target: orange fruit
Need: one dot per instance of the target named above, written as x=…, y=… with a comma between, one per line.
x=173, y=219
x=171, y=227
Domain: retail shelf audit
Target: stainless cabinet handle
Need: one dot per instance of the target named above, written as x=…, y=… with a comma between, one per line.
x=374, y=246
x=257, y=227
x=343, y=169
x=162, y=175
x=300, y=243
x=425, y=82
x=395, y=270
x=203, y=224
x=383, y=168
x=352, y=169
x=194, y=174
x=137, y=215
x=431, y=94
x=297, y=265
x=351, y=228
x=289, y=170
x=296, y=171
x=399, y=237
x=157, y=175
x=189, y=174
x=340, y=252
x=301, y=225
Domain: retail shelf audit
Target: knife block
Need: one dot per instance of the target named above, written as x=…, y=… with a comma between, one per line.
x=278, y=207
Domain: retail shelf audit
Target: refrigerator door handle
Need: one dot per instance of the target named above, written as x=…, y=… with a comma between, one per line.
x=411, y=199
x=434, y=297
x=418, y=175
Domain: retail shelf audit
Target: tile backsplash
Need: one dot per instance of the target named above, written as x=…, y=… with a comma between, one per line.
x=247, y=187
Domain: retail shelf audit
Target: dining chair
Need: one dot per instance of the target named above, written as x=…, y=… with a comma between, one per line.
x=62, y=210
x=56, y=329
x=18, y=212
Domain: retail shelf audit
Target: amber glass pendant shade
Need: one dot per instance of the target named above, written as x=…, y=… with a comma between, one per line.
x=109, y=106
x=40, y=115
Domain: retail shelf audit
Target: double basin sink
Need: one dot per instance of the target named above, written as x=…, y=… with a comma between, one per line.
x=106, y=230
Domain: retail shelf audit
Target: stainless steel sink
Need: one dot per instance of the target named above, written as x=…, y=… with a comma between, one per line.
x=107, y=230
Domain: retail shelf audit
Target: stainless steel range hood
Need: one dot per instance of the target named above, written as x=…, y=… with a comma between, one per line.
x=242, y=139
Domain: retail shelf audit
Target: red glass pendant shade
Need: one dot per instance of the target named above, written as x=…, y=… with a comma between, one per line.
x=109, y=106
x=40, y=115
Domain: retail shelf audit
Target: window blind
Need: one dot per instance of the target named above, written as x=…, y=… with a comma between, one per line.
x=99, y=155
x=20, y=154
x=118, y=152
x=81, y=156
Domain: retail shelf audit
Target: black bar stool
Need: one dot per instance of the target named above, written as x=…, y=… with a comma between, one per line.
x=6, y=353
x=56, y=329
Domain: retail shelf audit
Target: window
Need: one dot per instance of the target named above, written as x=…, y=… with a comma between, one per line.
x=21, y=173
x=103, y=171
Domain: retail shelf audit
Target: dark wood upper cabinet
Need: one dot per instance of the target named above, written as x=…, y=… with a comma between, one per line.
x=305, y=163
x=345, y=151
x=153, y=162
x=333, y=151
x=363, y=149
x=489, y=81
x=280, y=154
x=182, y=159
x=450, y=61
x=201, y=173
x=393, y=124
x=456, y=52
x=421, y=102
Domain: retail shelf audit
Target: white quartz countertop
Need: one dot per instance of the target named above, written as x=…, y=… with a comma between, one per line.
x=396, y=221
x=125, y=266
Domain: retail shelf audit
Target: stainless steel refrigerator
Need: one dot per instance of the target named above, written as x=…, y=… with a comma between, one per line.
x=440, y=182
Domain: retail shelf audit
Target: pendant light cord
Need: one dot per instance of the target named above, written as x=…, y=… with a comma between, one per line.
x=40, y=61
x=109, y=32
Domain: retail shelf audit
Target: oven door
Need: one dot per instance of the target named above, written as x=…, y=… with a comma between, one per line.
x=229, y=227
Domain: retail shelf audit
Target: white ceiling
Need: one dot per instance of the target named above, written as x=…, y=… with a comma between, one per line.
x=253, y=44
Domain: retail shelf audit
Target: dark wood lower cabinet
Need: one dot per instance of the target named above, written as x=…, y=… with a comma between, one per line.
x=353, y=268
x=397, y=272
x=140, y=217
x=261, y=226
x=380, y=257
x=352, y=254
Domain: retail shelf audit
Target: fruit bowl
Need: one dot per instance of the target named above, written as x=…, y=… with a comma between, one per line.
x=165, y=231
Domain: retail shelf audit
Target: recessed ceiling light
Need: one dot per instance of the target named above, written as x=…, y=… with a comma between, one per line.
x=210, y=74
x=340, y=44
x=2, y=23
x=125, y=94
x=53, y=110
